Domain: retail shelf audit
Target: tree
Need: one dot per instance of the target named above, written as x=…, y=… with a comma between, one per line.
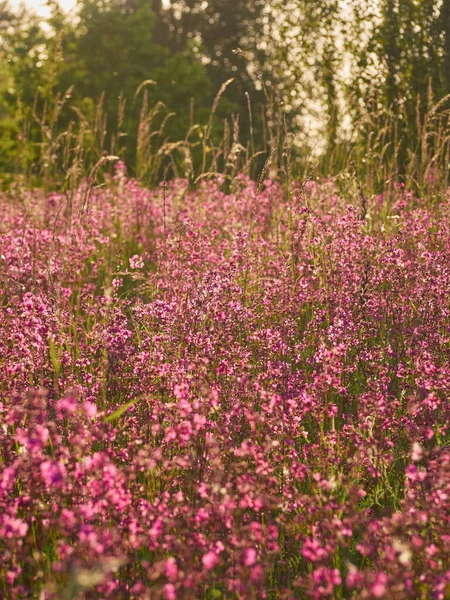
x=224, y=35
x=444, y=23
x=115, y=47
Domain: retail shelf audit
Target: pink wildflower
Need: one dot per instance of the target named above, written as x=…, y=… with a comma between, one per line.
x=170, y=592
x=249, y=557
x=136, y=262
x=378, y=588
x=210, y=560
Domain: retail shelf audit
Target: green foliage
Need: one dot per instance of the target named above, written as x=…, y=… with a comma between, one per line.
x=111, y=52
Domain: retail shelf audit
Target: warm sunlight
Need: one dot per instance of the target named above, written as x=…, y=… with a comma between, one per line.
x=224, y=300
x=40, y=6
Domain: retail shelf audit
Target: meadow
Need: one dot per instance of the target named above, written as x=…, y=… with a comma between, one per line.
x=224, y=393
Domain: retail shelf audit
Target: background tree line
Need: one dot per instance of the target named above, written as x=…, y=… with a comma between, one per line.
x=328, y=79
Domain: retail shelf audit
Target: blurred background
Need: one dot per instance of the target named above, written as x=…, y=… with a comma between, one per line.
x=322, y=83
x=41, y=7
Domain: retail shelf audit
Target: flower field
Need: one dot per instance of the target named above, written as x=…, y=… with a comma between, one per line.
x=211, y=395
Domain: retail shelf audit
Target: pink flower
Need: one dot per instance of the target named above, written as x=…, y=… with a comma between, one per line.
x=312, y=550
x=354, y=578
x=90, y=409
x=171, y=569
x=413, y=473
x=136, y=262
x=138, y=588
x=66, y=404
x=332, y=410
x=249, y=557
x=325, y=580
x=7, y=479
x=11, y=576
x=210, y=560
x=169, y=591
x=120, y=169
x=431, y=550
x=12, y=527
x=378, y=588
x=67, y=518
x=52, y=474
x=417, y=452
x=257, y=574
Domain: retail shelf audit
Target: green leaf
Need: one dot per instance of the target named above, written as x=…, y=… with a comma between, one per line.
x=55, y=362
x=119, y=412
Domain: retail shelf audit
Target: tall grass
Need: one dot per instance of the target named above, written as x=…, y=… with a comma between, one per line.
x=381, y=146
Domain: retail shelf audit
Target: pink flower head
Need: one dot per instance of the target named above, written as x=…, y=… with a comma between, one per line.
x=67, y=404
x=90, y=409
x=378, y=588
x=171, y=569
x=136, y=262
x=210, y=560
x=257, y=574
x=12, y=575
x=249, y=557
x=169, y=592
x=413, y=473
x=7, y=479
x=325, y=580
x=312, y=550
x=354, y=578
x=11, y=528
x=52, y=474
x=120, y=169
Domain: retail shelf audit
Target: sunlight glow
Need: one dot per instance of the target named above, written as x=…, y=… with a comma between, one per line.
x=40, y=6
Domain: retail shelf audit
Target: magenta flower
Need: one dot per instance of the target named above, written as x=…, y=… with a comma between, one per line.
x=171, y=569
x=378, y=588
x=249, y=557
x=52, y=474
x=210, y=560
x=90, y=409
x=136, y=262
x=170, y=592
x=11, y=527
x=312, y=550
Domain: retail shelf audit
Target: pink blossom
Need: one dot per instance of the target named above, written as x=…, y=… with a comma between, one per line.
x=249, y=557
x=378, y=588
x=52, y=473
x=90, y=409
x=136, y=262
x=210, y=560
x=11, y=527
x=170, y=591
x=171, y=569
x=312, y=550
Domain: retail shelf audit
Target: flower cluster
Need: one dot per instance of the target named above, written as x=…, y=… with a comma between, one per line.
x=224, y=395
